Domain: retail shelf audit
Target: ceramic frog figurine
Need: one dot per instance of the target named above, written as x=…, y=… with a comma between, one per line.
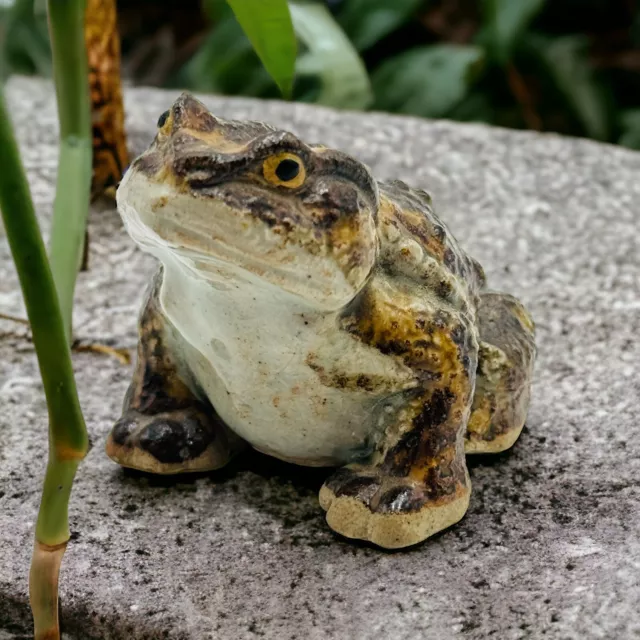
x=323, y=317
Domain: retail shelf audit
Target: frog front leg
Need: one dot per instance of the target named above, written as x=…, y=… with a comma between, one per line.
x=416, y=483
x=164, y=427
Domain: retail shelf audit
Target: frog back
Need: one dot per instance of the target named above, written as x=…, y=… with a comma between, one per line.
x=417, y=246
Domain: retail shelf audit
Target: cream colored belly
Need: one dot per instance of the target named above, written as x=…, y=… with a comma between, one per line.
x=287, y=413
x=251, y=355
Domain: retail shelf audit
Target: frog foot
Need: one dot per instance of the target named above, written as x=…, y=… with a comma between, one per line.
x=171, y=442
x=391, y=512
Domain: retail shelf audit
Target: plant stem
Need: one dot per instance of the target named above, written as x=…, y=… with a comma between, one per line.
x=73, y=188
x=68, y=442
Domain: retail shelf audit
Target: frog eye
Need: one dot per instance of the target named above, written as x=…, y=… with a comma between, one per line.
x=162, y=119
x=284, y=169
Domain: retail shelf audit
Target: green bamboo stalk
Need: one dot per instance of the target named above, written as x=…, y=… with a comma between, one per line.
x=73, y=188
x=68, y=442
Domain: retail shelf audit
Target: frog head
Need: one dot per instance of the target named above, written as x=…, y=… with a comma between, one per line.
x=245, y=201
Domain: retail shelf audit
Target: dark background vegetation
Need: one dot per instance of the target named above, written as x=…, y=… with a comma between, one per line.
x=571, y=66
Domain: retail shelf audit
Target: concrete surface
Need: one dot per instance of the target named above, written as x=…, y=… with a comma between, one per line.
x=550, y=547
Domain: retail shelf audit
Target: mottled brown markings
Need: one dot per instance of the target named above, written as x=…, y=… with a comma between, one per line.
x=159, y=203
x=161, y=415
x=330, y=211
x=300, y=224
x=444, y=289
x=440, y=346
x=149, y=164
x=203, y=171
x=337, y=379
x=155, y=386
x=427, y=452
x=411, y=212
x=450, y=260
x=395, y=329
x=381, y=494
x=432, y=237
x=255, y=141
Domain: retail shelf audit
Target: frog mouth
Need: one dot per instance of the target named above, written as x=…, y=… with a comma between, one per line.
x=209, y=255
x=213, y=241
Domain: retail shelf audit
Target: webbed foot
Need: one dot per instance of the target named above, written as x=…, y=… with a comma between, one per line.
x=392, y=512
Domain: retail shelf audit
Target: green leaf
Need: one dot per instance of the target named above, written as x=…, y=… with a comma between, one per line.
x=330, y=56
x=427, y=81
x=330, y=71
x=505, y=21
x=268, y=26
x=368, y=21
x=630, y=124
x=567, y=63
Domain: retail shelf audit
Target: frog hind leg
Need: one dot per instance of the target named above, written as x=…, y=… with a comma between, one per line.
x=164, y=427
x=416, y=483
x=505, y=368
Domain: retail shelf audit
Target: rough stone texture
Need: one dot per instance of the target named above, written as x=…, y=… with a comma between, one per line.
x=550, y=546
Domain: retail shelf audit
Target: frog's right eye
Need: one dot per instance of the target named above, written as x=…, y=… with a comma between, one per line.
x=162, y=119
x=284, y=169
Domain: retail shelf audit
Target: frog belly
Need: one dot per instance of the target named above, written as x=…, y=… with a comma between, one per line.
x=247, y=351
x=289, y=415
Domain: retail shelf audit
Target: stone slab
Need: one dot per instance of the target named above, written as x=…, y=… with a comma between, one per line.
x=550, y=547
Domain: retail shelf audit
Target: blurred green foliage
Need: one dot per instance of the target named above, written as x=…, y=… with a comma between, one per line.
x=571, y=66
x=428, y=81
